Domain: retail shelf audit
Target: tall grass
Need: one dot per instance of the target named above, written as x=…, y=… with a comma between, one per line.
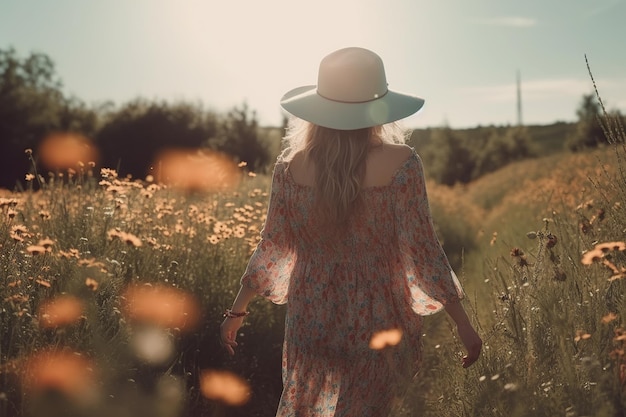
x=538, y=246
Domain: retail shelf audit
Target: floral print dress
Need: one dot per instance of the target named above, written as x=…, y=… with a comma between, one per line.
x=385, y=272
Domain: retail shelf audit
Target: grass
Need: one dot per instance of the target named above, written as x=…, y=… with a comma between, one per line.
x=81, y=252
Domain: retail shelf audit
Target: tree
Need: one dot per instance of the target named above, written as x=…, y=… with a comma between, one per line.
x=239, y=135
x=452, y=159
x=31, y=107
x=133, y=136
x=588, y=133
x=501, y=149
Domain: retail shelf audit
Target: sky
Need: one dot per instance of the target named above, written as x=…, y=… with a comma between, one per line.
x=461, y=56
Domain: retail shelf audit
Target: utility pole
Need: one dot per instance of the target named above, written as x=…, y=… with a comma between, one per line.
x=519, y=99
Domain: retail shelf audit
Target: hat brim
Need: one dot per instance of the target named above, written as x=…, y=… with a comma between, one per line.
x=305, y=103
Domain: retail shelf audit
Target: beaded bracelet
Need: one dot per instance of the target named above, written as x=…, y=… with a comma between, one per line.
x=230, y=314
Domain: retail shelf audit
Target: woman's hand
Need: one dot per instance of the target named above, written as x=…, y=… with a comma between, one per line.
x=472, y=342
x=228, y=333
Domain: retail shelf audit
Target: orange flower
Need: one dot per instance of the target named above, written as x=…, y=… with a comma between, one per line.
x=69, y=373
x=91, y=283
x=581, y=335
x=128, y=238
x=384, y=338
x=591, y=256
x=224, y=386
x=600, y=250
x=66, y=150
x=36, y=250
x=164, y=306
x=47, y=244
x=609, y=318
x=197, y=170
x=61, y=311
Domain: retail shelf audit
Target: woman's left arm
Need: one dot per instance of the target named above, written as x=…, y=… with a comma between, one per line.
x=230, y=325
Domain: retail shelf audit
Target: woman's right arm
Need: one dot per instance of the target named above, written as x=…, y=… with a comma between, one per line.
x=468, y=335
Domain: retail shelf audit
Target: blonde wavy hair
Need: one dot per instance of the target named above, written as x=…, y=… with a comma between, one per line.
x=339, y=158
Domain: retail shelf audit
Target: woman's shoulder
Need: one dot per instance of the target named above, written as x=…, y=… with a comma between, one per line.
x=397, y=153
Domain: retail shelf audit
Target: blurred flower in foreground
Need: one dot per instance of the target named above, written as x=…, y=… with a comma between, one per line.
x=153, y=345
x=60, y=311
x=65, y=150
x=69, y=373
x=197, y=170
x=160, y=305
x=385, y=338
x=224, y=386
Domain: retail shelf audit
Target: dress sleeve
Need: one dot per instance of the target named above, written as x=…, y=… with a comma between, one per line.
x=431, y=281
x=270, y=266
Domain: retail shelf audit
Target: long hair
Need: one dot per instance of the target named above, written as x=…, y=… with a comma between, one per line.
x=339, y=158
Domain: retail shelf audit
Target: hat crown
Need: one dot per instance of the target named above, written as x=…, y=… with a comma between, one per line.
x=352, y=75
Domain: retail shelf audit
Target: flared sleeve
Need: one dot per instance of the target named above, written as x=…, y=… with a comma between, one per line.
x=431, y=281
x=271, y=264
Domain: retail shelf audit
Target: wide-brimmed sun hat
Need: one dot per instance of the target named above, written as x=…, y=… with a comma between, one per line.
x=351, y=93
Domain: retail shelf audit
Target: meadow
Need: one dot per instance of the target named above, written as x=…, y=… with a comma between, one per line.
x=112, y=291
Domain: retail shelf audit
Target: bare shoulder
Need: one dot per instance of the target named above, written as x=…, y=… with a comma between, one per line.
x=384, y=162
x=301, y=170
x=397, y=154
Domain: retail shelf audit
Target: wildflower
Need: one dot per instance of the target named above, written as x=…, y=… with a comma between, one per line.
x=581, y=335
x=43, y=282
x=600, y=250
x=585, y=226
x=72, y=253
x=11, y=213
x=239, y=231
x=92, y=284
x=611, y=246
x=65, y=150
x=591, y=256
x=160, y=305
x=385, y=338
x=152, y=345
x=68, y=373
x=609, y=318
x=61, y=311
x=552, y=240
x=224, y=386
x=45, y=215
x=128, y=238
x=107, y=173
x=19, y=232
x=521, y=258
x=47, y=244
x=36, y=250
x=7, y=202
x=197, y=170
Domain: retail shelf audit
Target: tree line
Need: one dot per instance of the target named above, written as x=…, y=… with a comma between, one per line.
x=461, y=156
x=129, y=137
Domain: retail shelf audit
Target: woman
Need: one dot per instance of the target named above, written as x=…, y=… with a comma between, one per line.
x=349, y=244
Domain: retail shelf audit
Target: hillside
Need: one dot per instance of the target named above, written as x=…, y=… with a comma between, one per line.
x=548, y=139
